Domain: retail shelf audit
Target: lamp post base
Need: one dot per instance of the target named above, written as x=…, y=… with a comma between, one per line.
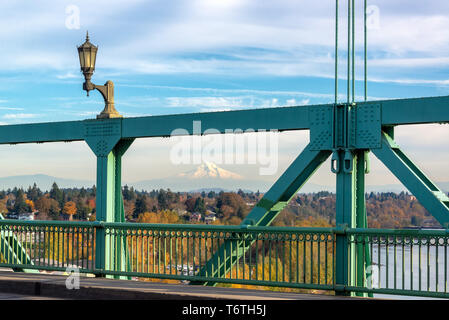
x=108, y=115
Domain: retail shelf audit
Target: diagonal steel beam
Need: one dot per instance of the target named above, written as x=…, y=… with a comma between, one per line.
x=266, y=210
x=282, y=191
x=427, y=193
x=13, y=252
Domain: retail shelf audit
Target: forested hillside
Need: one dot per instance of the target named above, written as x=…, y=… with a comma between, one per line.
x=385, y=210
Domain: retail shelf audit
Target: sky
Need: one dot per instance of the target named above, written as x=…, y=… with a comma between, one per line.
x=209, y=55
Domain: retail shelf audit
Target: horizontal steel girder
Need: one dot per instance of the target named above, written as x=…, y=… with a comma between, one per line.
x=393, y=112
x=285, y=118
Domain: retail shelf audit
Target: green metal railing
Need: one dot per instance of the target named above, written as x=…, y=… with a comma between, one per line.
x=285, y=257
x=45, y=245
x=406, y=262
x=401, y=262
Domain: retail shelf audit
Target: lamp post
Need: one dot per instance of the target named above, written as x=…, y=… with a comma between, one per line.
x=87, y=53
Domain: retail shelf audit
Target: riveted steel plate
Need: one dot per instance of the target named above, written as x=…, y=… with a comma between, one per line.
x=321, y=127
x=368, y=126
x=102, y=136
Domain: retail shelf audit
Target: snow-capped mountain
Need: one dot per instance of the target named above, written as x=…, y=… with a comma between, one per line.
x=210, y=170
x=206, y=176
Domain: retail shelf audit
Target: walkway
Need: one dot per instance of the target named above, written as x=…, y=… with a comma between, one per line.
x=48, y=285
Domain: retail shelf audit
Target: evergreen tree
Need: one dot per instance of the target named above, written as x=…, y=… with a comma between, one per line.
x=162, y=199
x=199, y=205
x=56, y=193
x=20, y=205
x=128, y=194
x=141, y=206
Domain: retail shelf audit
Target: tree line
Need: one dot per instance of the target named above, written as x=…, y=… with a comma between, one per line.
x=384, y=210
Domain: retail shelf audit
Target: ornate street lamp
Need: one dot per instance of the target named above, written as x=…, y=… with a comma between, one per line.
x=87, y=53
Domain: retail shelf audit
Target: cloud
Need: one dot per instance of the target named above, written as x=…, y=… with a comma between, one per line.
x=10, y=108
x=234, y=91
x=19, y=116
x=67, y=75
x=284, y=37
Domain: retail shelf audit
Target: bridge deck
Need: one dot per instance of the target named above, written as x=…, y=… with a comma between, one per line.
x=49, y=285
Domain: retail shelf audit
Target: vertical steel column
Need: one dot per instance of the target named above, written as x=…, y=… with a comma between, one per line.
x=351, y=260
x=362, y=255
x=349, y=166
x=110, y=255
x=105, y=209
x=345, y=218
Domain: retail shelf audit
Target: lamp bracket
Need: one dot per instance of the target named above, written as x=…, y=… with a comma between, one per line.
x=107, y=91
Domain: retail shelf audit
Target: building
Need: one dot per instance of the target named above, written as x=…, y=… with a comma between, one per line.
x=29, y=216
x=210, y=218
x=195, y=217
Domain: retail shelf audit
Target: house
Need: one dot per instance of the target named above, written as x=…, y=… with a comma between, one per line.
x=210, y=218
x=181, y=212
x=26, y=216
x=195, y=217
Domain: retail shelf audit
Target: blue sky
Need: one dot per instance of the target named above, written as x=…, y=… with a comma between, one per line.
x=206, y=55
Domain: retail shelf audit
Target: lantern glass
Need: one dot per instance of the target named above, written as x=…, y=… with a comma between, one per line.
x=81, y=56
x=87, y=54
x=93, y=57
x=87, y=59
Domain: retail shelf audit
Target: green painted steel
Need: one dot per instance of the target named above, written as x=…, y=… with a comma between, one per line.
x=13, y=251
x=393, y=112
x=280, y=119
x=413, y=111
x=302, y=258
x=347, y=131
x=340, y=259
x=272, y=203
x=42, y=132
x=428, y=193
x=109, y=150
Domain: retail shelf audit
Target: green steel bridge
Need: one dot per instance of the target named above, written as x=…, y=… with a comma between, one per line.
x=349, y=259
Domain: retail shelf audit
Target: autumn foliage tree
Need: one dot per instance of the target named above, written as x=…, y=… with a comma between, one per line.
x=47, y=207
x=69, y=209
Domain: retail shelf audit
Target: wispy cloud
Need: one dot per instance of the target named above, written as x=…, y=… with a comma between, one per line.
x=11, y=108
x=67, y=75
x=19, y=116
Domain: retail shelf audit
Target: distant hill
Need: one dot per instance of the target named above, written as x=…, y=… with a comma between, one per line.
x=206, y=177
x=43, y=181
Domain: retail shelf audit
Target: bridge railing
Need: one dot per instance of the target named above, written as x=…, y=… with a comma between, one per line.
x=406, y=262
x=47, y=245
x=285, y=257
x=403, y=262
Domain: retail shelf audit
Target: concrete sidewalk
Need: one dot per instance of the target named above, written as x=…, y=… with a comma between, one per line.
x=47, y=285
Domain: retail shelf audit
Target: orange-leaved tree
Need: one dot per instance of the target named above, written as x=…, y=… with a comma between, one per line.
x=69, y=209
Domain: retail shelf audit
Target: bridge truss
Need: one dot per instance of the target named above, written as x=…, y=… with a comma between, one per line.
x=344, y=131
